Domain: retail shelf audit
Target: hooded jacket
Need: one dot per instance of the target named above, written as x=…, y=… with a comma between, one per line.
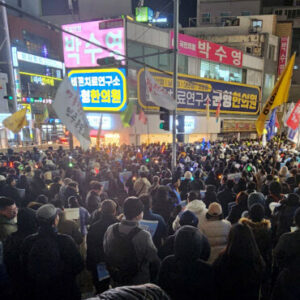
x=198, y=208
x=263, y=237
x=185, y=275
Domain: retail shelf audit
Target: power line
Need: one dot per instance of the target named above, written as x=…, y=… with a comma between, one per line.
x=125, y=57
x=57, y=28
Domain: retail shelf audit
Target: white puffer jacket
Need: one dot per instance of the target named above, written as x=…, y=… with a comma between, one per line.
x=216, y=232
x=198, y=207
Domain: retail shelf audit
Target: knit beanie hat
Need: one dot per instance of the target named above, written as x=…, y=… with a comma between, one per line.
x=257, y=212
x=254, y=198
x=133, y=206
x=188, y=218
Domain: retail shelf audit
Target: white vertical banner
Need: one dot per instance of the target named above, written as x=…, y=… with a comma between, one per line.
x=157, y=94
x=68, y=108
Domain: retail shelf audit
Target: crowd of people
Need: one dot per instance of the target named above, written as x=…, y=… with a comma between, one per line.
x=225, y=224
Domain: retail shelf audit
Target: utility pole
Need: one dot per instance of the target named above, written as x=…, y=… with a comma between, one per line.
x=7, y=45
x=175, y=75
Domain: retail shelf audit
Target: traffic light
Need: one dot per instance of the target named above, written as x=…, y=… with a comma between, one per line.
x=165, y=118
x=8, y=97
x=107, y=62
x=180, y=128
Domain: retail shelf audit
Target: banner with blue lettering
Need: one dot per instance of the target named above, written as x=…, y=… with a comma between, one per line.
x=100, y=89
x=194, y=93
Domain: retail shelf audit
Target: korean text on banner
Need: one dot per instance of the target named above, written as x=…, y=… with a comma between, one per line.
x=294, y=119
x=16, y=121
x=283, y=54
x=69, y=110
x=192, y=46
x=157, y=94
x=278, y=96
x=78, y=53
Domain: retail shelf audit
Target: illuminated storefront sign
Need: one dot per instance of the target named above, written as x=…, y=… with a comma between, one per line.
x=41, y=79
x=235, y=98
x=94, y=121
x=100, y=89
x=78, y=53
x=34, y=59
x=238, y=126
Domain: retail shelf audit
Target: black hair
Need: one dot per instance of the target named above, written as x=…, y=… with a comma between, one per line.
x=10, y=179
x=5, y=202
x=146, y=200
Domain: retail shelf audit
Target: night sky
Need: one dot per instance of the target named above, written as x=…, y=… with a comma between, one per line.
x=187, y=8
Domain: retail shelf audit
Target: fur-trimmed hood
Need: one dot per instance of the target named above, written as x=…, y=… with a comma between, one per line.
x=263, y=224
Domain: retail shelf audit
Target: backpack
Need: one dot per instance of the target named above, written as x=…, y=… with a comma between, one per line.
x=44, y=260
x=122, y=262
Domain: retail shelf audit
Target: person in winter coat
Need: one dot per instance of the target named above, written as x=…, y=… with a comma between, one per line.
x=190, y=219
x=287, y=258
x=70, y=228
x=226, y=196
x=161, y=231
x=185, y=185
x=95, y=237
x=8, y=212
x=237, y=209
x=210, y=195
x=142, y=184
x=37, y=185
x=93, y=199
x=216, y=229
x=261, y=229
x=162, y=203
x=284, y=215
x=239, y=268
x=144, y=249
x=185, y=275
x=274, y=196
x=27, y=225
x=10, y=190
x=196, y=206
x=50, y=261
x=55, y=187
x=197, y=184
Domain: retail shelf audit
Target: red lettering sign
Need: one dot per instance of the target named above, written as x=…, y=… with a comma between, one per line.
x=191, y=46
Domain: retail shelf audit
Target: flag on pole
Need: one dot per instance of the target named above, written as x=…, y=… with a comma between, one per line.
x=294, y=118
x=68, y=108
x=218, y=111
x=41, y=118
x=278, y=96
x=127, y=116
x=157, y=94
x=287, y=114
x=16, y=121
x=207, y=108
x=271, y=125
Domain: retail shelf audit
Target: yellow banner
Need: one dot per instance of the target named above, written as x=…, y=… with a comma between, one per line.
x=16, y=121
x=278, y=96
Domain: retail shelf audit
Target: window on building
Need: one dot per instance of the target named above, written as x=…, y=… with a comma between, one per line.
x=151, y=60
x=220, y=72
x=206, y=18
x=271, y=52
x=245, y=13
x=298, y=2
x=257, y=23
x=278, y=12
x=59, y=7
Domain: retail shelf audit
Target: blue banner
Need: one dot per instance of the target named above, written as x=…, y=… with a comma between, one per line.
x=194, y=93
x=100, y=89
